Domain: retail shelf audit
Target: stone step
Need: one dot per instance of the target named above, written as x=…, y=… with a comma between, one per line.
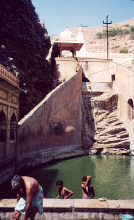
x=101, y=112
x=113, y=115
x=117, y=151
x=122, y=144
x=110, y=121
x=115, y=130
x=123, y=134
x=118, y=123
x=112, y=141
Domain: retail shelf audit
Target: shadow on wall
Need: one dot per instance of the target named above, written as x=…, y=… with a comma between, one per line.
x=57, y=72
x=40, y=175
x=84, y=78
x=88, y=125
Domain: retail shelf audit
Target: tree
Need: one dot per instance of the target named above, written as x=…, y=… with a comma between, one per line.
x=28, y=43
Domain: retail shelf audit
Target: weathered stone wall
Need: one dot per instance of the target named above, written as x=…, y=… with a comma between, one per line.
x=123, y=85
x=9, y=110
x=97, y=70
x=75, y=209
x=101, y=71
x=66, y=67
x=52, y=130
x=105, y=77
x=102, y=130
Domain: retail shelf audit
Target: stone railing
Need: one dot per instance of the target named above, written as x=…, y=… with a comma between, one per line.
x=86, y=59
x=82, y=209
x=8, y=76
x=66, y=58
x=97, y=86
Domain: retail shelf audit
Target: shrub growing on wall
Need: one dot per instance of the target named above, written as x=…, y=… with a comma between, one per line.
x=28, y=43
x=124, y=50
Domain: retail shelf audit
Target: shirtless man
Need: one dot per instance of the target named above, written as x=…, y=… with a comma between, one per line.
x=86, y=188
x=29, y=197
x=63, y=191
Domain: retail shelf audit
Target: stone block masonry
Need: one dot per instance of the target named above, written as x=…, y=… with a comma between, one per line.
x=75, y=209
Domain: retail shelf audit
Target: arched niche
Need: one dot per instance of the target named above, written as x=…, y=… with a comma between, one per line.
x=13, y=127
x=3, y=127
x=130, y=109
x=68, y=49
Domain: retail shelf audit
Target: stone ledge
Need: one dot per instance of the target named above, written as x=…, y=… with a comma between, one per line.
x=75, y=204
x=76, y=209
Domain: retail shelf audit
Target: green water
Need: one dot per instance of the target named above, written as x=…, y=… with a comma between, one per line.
x=112, y=176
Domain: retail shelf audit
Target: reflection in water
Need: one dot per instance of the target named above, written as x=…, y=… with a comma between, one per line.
x=112, y=176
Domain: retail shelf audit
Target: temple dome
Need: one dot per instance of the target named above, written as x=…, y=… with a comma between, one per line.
x=67, y=35
x=80, y=36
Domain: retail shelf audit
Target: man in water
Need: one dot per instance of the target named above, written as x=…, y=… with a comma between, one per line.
x=29, y=197
x=86, y=188
x=63, y=191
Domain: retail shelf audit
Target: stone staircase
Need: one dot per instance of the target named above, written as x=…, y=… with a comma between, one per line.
x=110, y=134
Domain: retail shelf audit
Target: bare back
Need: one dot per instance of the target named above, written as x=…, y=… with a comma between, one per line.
x=32, y=186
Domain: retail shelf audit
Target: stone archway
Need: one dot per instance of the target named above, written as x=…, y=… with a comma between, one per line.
x=130, y=109
x=13, y=127
x=3, y=127
x=69, y=50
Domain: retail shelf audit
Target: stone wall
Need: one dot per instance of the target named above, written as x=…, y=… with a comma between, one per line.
x=97, y=70
x=9, y=112
x=66, y=67
x=52, y=130
x=105, y=76
x=106, y=71
x=75, y=209
x=123, y=85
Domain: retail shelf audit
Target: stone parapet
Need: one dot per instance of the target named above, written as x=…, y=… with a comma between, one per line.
x=75, y=209
x=52, y=130
x=65, y=59
x=92, y=59
x=8, y=76
x=97, y=86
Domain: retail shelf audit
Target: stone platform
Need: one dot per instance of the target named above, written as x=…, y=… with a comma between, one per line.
x=75, y=209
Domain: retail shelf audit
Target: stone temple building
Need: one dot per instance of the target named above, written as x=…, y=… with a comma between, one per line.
x=9, y=111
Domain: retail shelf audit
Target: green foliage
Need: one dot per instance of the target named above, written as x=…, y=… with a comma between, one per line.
x=126, y=25
x=28, y=43
x=114, y=32
x=126, y=31
x=132, y=29
x=100, y=35
x=118, y=31
x=124, y=50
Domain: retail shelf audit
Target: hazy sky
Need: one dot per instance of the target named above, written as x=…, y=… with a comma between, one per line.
x=58, y=14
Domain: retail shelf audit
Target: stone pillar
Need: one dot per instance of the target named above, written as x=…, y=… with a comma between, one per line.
x=8, y=140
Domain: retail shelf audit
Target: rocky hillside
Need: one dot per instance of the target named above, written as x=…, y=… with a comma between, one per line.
x=94, y=44
x=27, y=42
x=102, y=131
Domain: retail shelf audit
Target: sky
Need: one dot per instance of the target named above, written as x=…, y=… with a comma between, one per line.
x=59, y=14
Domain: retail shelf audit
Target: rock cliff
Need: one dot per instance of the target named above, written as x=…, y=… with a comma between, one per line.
x=102, y=131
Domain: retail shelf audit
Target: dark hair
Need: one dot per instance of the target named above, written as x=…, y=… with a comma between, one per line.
x=59, y=182
x=84, y=178
x=17, y=181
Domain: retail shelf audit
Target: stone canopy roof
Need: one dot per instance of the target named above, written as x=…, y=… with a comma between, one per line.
x=69, y=40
